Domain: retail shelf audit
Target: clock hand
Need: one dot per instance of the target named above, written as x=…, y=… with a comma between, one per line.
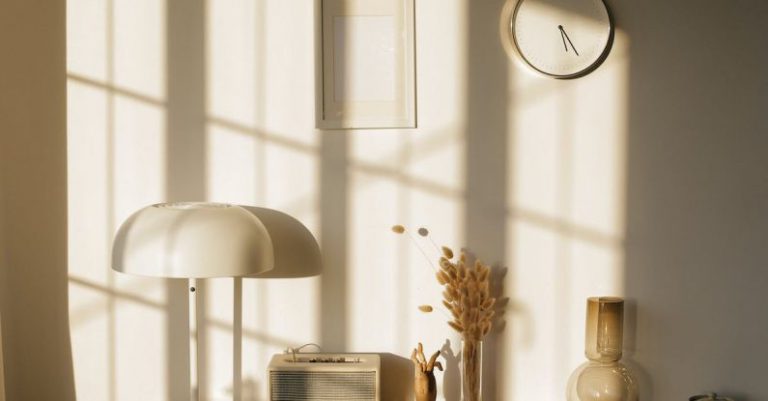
x=563, y=32
x=565, y=45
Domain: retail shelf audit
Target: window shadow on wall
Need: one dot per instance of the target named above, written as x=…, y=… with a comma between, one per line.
x=186, y=172
x=486, y=212
x=486, y=191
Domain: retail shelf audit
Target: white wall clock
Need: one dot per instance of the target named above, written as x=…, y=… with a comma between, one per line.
x=558, y=38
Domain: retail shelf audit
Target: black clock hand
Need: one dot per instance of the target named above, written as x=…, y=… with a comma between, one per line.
x=565, y=45
x=563, y=32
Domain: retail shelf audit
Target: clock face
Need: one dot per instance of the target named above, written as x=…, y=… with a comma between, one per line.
x=560, y=38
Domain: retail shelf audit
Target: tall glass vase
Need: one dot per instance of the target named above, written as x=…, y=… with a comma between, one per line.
x=603, y=377
x=471, y=370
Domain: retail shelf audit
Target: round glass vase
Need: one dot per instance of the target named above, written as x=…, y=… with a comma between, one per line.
x=602, y=381
x=603, y=377
x=471, y=370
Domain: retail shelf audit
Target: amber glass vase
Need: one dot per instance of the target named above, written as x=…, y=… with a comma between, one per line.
x=603, y=377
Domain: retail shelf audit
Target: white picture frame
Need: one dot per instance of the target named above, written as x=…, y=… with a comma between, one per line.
x=367, y=64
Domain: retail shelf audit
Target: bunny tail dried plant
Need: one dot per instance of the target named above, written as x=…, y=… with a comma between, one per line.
x=426, y=308
x=467, y=297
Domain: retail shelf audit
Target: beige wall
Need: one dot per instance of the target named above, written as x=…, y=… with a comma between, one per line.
x=33, y=199
x=697, y=186
x=644, y=179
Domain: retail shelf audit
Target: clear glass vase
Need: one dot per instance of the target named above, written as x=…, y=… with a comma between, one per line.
x=603, y=377
x=471, y=370
x=602, y=381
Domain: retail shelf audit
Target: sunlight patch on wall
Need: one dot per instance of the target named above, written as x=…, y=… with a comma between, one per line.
x=139, y=157
x=534, y=312
x=89, y=182
x=233, y=165
x=598, y=132
x=89, y=324
x=259, y=153
x=116, y=164
x=437, y=162
x=291, y=181
x=535, y=154
x=566, y=208
x=87, y=34
x=444, y=217
x=139, y=46
x=391, y=184
x=218, y=369
x=139, y=337
x=441, y=65
x=261, y=149
x=139, y=162
x=384, y=150
x=233, y=169
x=255, y=337
x=288, y=96
x=415, y=178
x=89, y=237
x=374, y=319
x=233, y=61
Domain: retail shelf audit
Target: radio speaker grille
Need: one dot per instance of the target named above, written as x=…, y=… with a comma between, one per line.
x=323, y=386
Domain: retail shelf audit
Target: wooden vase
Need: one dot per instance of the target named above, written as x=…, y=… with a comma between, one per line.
x=425, y=386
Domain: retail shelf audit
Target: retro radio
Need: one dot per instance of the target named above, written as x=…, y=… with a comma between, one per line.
x=324, y=377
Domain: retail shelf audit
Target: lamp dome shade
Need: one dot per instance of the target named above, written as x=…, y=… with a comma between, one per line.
x=192, y=240
x=296, y=251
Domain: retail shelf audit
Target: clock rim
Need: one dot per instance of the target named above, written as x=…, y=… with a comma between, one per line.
x=509, y=41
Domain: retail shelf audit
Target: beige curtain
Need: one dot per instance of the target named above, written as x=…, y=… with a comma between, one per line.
x=2, y=372
x=2, y=267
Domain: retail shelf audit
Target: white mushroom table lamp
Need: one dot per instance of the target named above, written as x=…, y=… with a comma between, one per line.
x=197, y=240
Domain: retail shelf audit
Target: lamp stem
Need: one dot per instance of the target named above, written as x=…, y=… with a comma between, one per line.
x=194, y=342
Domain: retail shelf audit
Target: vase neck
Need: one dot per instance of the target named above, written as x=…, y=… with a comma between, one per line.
x=605, y=331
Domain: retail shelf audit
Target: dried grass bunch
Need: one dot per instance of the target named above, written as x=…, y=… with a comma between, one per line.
x=467, y=295
x=467, y=288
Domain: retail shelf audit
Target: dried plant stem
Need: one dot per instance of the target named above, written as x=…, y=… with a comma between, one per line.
x=445, y=314
x=426, y=257
x=471, y=360
x=434, y=244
